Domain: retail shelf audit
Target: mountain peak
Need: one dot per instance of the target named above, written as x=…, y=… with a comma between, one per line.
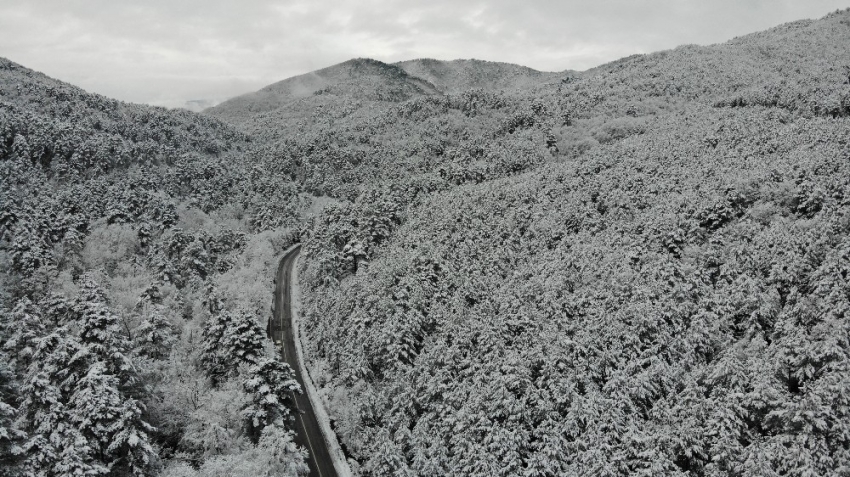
x=364, y=78
x=370, y=79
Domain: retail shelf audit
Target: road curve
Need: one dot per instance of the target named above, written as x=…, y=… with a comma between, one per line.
x=308, y=434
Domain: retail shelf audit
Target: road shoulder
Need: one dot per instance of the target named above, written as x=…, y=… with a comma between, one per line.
x=339, y=461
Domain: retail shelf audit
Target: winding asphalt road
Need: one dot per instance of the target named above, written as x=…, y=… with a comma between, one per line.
x=308, y=433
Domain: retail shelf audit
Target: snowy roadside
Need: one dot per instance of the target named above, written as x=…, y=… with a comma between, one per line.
x=339, y=461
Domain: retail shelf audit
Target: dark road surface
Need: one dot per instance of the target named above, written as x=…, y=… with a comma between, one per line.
x=308, y=433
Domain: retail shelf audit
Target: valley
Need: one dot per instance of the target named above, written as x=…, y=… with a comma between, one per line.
x=638, y=269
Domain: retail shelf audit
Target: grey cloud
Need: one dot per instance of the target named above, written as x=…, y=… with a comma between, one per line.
x=166, y=51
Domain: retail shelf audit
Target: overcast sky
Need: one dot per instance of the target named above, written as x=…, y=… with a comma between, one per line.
x=166, y=52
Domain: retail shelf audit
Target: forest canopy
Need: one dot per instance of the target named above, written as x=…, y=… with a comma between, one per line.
x=640, y=269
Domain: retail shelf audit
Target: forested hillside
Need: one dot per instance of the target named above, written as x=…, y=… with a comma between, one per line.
x=640, y=269
x=637, y=270
x=461, y=75
x=137, y=246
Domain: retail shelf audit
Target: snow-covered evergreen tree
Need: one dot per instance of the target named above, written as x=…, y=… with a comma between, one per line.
x=271, y=385
x=19, y=330
x=154, y=335
x=11, y=437
x=112, y=423
x=54, y=445
x=231, y=339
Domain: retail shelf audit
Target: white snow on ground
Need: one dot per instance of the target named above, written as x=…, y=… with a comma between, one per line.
x=340, y=464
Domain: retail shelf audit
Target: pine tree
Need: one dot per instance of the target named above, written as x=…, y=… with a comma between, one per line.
x=20, y=329
x=231, y=339
x=271, y=386
x=55, y=446
x=112, y=423
x=21, y=147
x=55, y=309
x=213, y=356
x=11, y=437
x=245, y=340
x=77, y=409
x=101, y=334
x=155, y=335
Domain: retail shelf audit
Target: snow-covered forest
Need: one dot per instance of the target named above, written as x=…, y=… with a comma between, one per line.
x=640, y=269
x=138, y=246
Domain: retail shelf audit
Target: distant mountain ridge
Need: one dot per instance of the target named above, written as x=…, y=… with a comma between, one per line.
x=361, y=77
x=369, y=79
x=459, y=75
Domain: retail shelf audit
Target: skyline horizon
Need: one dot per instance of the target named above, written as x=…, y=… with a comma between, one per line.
x=178, y=73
